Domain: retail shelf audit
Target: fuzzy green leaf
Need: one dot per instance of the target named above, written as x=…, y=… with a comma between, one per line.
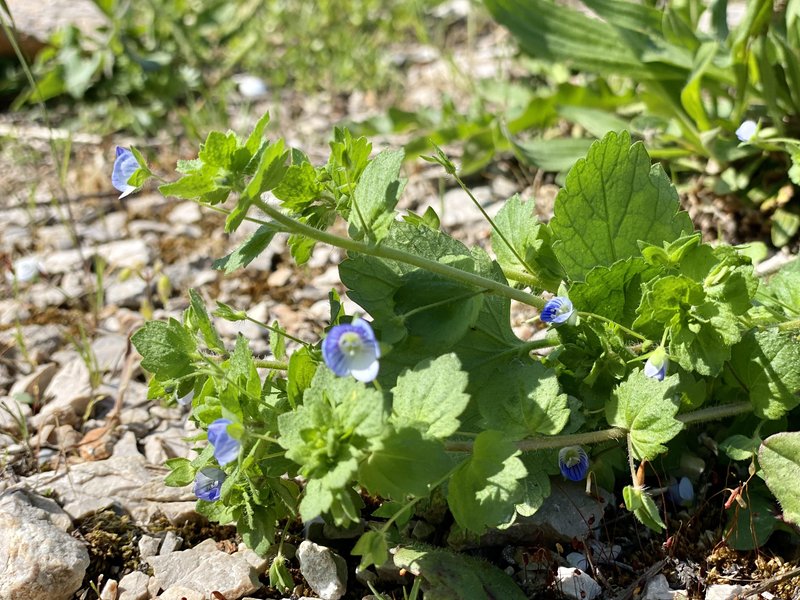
x=248, y=251
x=372, y=210
x=372, y=548
x=405, y=464
x=645, y=407
x=166, y=348
x=779, y=456
x=767, y=363
x=529, y=240
x=431, y=397
x=485, y=488
x=613, y=199
x=643, y=508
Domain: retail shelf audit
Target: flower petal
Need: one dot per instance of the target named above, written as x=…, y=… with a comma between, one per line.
x=226, y=449
x=125, y=165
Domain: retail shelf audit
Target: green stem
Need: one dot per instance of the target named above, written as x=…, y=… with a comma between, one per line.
x=275, y=330
x=271, y=364
x=492, y=223
x=711, y=413
x=402, y=256
x=630, y=332
x=522, y=277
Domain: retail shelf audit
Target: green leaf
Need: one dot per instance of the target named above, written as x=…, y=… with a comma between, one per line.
x=189, y=186
x=298, y=188
x=279, y=576
x=779, y=457
x=524, y=399
x=257, y=528
x=249, y=250
x=277, y=341
x=302, y=368
x=767, y=364
x=431, y=397
x=535, y=486
x=752, y=525
x=167, y=348
x=613, y=199
x=181, y=472
x=784, y=287
x=257, y=135
x=405, y=464
x=555, y=155
x=643, y=508
x=203, y=321
x=218, y=149
x=484, y=489
x=372, y=548
x=785, y=225
x=645, y=407
x=613, y=292
x=451, y=576
x=372, y=210
x=529, y=240
x=739, y=447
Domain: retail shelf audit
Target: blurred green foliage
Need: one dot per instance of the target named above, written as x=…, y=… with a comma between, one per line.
x=158, y=59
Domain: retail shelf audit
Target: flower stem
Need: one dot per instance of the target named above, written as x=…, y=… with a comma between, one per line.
x=271, y=364
x=389, y=253
x=711, y=413
x=630, y=332
x=275, y=330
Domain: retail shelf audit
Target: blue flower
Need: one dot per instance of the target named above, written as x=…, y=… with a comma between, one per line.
x=208, y=483
x=558, y=310
x=573, y=462
x=226, y=449
x=746, y=131
x=656, y=365
x=125, y=165
x=352, y=349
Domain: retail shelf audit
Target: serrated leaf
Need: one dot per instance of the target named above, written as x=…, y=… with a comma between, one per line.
x=784, y=287
x=645, y=407
x=405, y=464
x=524, y=399
x=739, y=447
x=767, y=363
x=203, y=321
x=535, y=486
x=529, y=240
x=302, y=368
x=298, y=188
x=277, y=341
x=613, y=199
x=485, y=488
x=613, y=292
x=166, y=348
x=189, y=186
x=218, y=149
x=257, y=528
x=257, y=135
x=779, y=457
x=181, y=472
x=372, y=548
x=249, y=250
x=372, y=210
x=431, y=397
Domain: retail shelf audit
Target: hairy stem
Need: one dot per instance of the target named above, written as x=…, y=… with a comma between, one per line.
x=711, y=413
x=398, y=255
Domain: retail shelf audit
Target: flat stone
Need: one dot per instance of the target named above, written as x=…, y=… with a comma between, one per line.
x=18, y=409
x=109, y=352
x=123, y=481
x=126, y=294
x=323, y=569
x=134, y=586
x=171, y=543
x=724, y=591
x=658, y=589
x=205, y=569
x=131, y=253
x=68, y=394
x=574, y=583
x=40, y=559
x=63, y=261
x=148, y=546
x=180, y=592
x=34, y=383
x=185, y=213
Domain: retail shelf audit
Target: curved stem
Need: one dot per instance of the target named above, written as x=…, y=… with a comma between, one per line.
x=275, y=330
x=630, y=332
x=402, y=256
x=711, y=413
x=522, y=277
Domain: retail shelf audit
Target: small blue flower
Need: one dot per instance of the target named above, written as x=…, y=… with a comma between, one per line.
x=558, y=310
x=226, y=449
x=125, y=165
x=746, y=130
x=208, y=483
x=573, y=462
x=656, y=365
x=352, y=349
